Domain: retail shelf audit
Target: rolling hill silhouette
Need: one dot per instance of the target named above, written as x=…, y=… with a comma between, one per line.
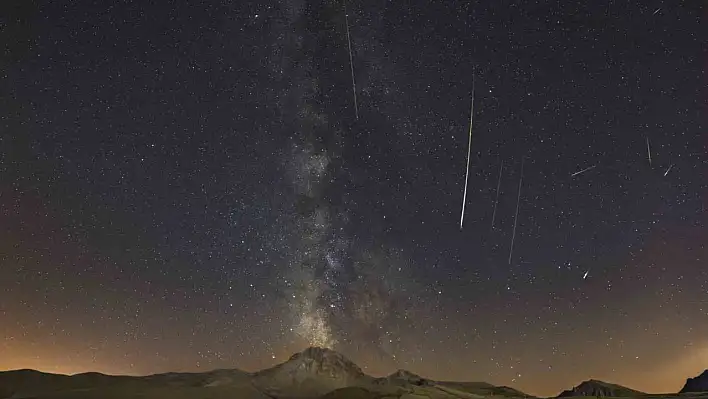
x=311, y=374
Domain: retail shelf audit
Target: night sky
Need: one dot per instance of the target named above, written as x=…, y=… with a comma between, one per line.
x=185, y=186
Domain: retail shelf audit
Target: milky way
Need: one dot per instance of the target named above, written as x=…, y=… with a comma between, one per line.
x=334, y=286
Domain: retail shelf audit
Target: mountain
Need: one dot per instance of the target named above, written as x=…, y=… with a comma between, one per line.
x=600, y=388
x=310, y=373
x=315, y=373
x=696, y=384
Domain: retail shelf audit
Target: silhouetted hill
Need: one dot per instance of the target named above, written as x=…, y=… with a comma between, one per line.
x=696, y=384
x=214, y=384
x=600, y=389
x=36, y=382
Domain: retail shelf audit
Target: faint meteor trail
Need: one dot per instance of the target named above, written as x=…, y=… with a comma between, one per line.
x=667, y=170
x=516, y=216
x=494, y=214
x=351, y=61
x=648, y=151
x=469, y=151
x=583, y=171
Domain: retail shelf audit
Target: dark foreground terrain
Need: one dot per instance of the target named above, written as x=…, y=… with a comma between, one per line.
x=313, y=373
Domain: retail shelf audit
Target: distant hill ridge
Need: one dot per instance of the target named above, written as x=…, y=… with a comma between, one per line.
x=315, y=373
x=600, y=389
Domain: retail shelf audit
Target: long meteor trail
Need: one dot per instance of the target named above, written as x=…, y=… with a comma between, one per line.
x=469, y=152
x=496, y=201
x=648, y=151
x=516, y=216
x=583, y=171
x=351, y=61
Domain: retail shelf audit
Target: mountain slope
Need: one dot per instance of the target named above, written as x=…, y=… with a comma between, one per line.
x=400, y=392
x=402, y=377
x=485, y=389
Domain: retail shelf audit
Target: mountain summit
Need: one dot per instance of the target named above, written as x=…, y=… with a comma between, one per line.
x=696, y=384
x=312, y=372
x=327, y=359
x=600, y=389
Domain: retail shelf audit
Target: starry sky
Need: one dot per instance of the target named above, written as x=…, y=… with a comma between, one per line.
x=189, y=186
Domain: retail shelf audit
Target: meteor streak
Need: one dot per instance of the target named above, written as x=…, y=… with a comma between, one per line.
x=351, y=61
x=494, y=214
x=469, y=151
x=583, y=171
x=516, y=216
x=667, y=170
x=648, y=151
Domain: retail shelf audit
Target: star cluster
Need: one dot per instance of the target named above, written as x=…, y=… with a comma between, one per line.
x=188, y=186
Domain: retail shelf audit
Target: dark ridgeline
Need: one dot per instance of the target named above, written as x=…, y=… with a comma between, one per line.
x=696, y=384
